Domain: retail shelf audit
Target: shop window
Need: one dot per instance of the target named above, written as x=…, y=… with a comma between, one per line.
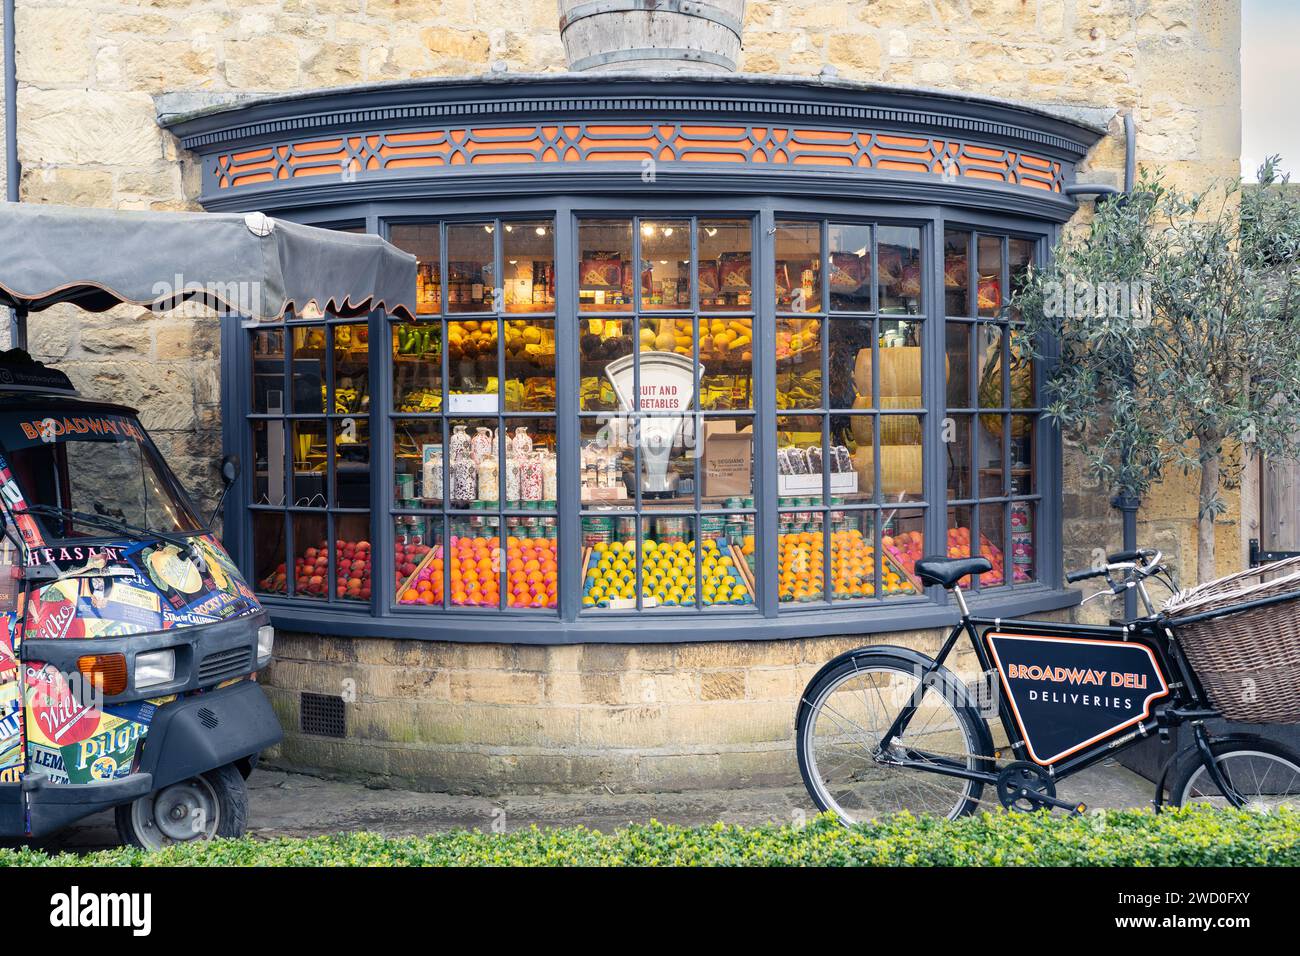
x=472, y=422
x=665, y=459
x=993, y=419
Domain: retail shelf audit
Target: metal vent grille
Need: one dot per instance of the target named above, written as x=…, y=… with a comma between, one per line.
x=322, y=715
x=234, y=662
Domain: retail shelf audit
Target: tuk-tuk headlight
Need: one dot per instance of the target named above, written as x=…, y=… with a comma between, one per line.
x=155, y=667
x=265, y=644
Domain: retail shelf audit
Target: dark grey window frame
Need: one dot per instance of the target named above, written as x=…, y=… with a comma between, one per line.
x=380, y=619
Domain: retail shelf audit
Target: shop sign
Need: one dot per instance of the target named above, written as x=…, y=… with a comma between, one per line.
x=1067, y=693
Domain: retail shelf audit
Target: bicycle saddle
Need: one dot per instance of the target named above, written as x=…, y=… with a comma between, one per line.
x=948, y=571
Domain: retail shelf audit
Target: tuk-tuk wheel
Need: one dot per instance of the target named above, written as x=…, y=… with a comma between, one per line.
x=213, y=804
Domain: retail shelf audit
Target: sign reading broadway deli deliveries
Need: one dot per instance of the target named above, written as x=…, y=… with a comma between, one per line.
x=1069, y=692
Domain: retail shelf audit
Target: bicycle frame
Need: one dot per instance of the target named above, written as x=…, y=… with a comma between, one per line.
x=1184, y=702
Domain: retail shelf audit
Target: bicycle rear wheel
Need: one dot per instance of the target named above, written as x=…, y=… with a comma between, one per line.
x=1263, y=774
x=849, y=706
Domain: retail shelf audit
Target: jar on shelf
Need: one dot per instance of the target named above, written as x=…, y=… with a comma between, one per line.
x=549, y=478
x=489, y=479
x=512, y=482
x=460, y=443
x=483, y=444
x=431, y=483
x=522, y=443
x=532, y=481
x=464, y=481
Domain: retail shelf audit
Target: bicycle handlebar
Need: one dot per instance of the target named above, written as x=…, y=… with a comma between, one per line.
x=1074, y=577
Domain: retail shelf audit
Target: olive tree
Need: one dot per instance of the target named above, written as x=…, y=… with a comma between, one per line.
x=1176, y=321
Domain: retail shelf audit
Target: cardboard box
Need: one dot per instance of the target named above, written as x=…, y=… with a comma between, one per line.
x=728, y=462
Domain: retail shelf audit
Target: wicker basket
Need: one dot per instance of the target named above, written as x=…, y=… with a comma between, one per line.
x=1249, y=662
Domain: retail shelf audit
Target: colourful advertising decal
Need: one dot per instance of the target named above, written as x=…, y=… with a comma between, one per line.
x=1068, y=692
x=14, y=500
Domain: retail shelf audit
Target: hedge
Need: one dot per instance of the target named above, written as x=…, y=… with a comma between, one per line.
x=1192, y=837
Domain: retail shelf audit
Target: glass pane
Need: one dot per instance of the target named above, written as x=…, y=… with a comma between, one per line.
x=530, y=365
x=990, y=275
x=352, y=557
x=605, y=271
x=311, y=561
x=900, y=365
x=666, y=265
x=798, y=267
x=474, y=476
x=900, y=270
x=609, y=572
x=475, y=549
x=990, y=357
x=853, y=555
x=900, y=458
x=1023, y=568
x=471, y=285
x=799, y=459
x=956, y=272
x=422, y=242
x=851, y=459
x=309, y=369
x=351, y=369
x=727, y=356
x=902, y=542
x=269, y=553
x=1022, y=369
x=1020, y=255
x=529, y=252
x=310, y=464
x=419, y=561
x=606, y=461
x=850, y=268
x=668, y=560
x=667, y=447
x=600, y=342
x=726, y=265
x=417, y=463
x=268, y=372
x=957, y=447
x=734, y=538
x=1024, y=479
x=268, y=463
x=991, y=543
x=801, y=558
x=957, y=364
x=532, y=569
x=352, y=462
x=667, y=335
x=960, y=522
x=851, y=363
x=472, y=365
x=417, y=367
x=798, y=363
x=727, y=463
x=991, y=483
x=530, y=470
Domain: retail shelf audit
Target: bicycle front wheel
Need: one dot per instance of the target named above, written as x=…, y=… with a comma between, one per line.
x=1263, y=775
x=851, y=704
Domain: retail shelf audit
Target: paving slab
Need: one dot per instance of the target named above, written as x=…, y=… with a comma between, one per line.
x=288, y=804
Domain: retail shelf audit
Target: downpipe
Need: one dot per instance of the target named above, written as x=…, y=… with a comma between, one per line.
x=13, y=171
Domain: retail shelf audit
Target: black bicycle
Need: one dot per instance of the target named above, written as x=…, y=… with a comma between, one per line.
x=883, y=729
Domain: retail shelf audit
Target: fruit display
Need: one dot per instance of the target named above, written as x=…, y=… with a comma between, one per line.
x=470, y=339
x=311, y=572
x=668, y=580
x=532, y=573
x=905, y=549
x=801, y=564
x=959, y=546
x=420, y=399
x=418, y=341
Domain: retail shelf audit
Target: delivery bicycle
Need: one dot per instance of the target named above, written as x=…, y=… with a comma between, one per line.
x=883, y=729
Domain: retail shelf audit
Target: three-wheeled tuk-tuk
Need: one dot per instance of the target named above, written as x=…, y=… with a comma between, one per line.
x=129, y=641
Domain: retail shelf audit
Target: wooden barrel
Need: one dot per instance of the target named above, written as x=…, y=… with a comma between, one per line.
x=701, y=36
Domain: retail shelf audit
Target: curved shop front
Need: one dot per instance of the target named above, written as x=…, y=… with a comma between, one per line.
x=702, y=367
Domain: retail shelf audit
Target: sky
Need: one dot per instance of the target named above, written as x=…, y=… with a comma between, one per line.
x=1270, y=77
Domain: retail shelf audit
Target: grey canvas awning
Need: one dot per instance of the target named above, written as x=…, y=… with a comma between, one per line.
x=250, y=265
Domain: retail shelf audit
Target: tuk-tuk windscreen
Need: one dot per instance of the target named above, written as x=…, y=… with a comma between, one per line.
x=95, y=463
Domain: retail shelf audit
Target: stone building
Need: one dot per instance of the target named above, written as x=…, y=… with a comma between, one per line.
x=105, y=94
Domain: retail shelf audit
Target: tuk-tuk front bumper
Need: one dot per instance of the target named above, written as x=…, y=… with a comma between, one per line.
x=187, y=737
